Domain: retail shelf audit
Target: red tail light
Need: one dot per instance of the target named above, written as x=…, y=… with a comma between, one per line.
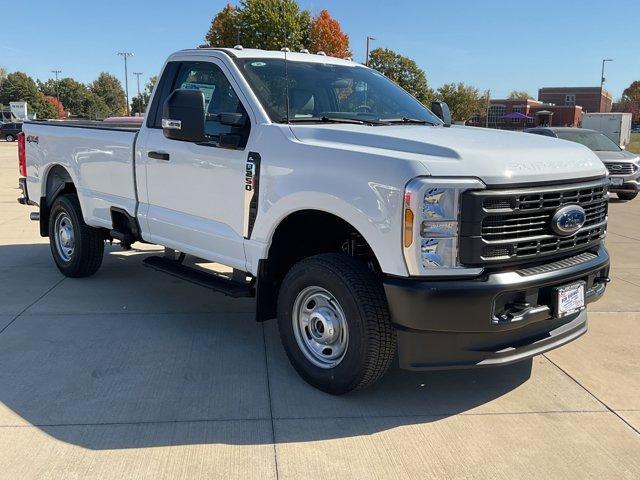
x=22, y=155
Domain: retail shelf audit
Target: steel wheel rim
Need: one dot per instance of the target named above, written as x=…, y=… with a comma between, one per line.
x=64, y=236
x=320, y=327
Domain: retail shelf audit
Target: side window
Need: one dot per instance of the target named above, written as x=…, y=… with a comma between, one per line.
x=219, y=96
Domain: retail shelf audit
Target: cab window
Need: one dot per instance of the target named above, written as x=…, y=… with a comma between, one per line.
x=219, y=95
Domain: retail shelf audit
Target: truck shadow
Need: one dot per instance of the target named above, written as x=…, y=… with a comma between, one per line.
x=181, y=365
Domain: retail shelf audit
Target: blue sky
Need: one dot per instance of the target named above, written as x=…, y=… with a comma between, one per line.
x=501, y=45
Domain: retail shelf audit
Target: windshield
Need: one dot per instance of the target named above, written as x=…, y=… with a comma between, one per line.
x=593, y=140
x=325, y=92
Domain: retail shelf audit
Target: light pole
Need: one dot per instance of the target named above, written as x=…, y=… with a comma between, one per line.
x=137, y=74
x=125, y=55
x=366, y=60
x=56, y=73
x=602, y=79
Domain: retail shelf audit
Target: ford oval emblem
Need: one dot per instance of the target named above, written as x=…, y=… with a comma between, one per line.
x=568, y=220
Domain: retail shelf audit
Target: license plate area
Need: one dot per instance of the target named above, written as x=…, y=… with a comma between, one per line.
x=569, y=299
x=616, y=181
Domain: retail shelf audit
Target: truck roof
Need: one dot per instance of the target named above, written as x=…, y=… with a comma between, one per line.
x=270, y=54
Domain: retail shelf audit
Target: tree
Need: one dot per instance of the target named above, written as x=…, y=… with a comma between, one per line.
x=464, y=100
x=519, y=95
x=70, y=92
x=109, y=89
x=266, y=24
x=139, y=103
x=632, y=92
x=94, y=107
x=402, y=70
x=326, y=35
x=57, y=106
x=20, y=87
x=225, y=29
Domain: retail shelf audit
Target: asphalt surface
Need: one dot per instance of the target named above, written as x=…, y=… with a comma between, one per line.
x=135, y=374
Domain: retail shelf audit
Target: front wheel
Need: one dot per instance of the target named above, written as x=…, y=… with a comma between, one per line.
x=9, y=138
x=76, y=247
x=334, y=323
x=627, y=195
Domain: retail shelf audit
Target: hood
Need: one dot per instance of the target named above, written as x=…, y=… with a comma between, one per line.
x=619, y=156
x=494, y=156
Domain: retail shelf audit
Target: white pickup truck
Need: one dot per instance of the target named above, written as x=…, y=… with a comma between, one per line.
x=367, y=225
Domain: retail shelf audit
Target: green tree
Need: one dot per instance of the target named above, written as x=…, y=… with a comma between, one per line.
x=266, y=24
x=71, y=93
x=225, y=28
x=109, y=89
x=402, y=70
x=464, y=100
x=94, y=107
x=20, y=87
x=519, y=95
x=139, y=103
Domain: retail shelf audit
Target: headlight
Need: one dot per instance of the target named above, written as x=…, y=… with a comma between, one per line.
x=432, y=224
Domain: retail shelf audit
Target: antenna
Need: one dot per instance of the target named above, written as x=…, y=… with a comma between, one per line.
x=285, y=49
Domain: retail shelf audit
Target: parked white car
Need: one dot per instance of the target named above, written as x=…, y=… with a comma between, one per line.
x=362, y=221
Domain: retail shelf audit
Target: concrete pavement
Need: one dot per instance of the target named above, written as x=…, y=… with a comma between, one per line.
x=135, y=374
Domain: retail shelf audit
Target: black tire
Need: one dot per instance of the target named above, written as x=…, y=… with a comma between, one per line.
x=10, y=138
x=627, y=195
x=86, y=255
x=371, y=344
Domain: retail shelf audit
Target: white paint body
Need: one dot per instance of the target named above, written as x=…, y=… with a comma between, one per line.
x=616, y=126
x=194, y=203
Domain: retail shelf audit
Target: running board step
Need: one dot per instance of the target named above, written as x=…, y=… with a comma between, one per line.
x=199, y=277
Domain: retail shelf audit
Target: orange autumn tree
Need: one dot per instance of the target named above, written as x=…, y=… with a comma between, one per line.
x=327, y=36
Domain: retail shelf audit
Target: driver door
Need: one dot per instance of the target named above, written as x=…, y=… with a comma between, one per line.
x=196, y=190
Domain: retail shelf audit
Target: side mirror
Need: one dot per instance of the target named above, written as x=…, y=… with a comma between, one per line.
x=441, y=109
x=183, y=116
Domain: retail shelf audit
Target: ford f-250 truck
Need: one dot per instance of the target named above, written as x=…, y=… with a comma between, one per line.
x=365, y=223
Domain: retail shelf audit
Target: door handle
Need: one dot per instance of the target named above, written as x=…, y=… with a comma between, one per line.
x=159, y=155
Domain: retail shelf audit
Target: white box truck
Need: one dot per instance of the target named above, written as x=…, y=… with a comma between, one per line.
x=616, y=126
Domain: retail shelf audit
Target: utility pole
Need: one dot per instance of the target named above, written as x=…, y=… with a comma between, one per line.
x=56, y=73
x=602, y=79
x=488, y=106
x=142, y=103
x=366, y=60
x=126, y=55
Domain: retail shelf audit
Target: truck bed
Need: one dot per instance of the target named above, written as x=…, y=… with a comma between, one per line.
x=98, y=156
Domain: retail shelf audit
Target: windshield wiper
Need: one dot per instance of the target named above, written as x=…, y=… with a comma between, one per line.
x=323, y=119
x=407, y=121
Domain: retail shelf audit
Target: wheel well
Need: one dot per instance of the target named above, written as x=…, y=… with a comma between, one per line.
x=300, y=235
x=58, y=182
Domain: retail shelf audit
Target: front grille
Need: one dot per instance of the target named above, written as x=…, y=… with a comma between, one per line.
x=620, y=168
x=503, y=226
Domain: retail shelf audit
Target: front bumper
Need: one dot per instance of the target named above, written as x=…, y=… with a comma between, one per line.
x=626, y=183
x=496, y=319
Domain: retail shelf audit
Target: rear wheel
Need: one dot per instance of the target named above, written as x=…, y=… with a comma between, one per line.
x=10, y=138
x=76, y=247
x=334, y=323
x=627, y=195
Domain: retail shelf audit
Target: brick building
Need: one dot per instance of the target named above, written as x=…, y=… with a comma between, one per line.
x=591, y=99
x=539, y=113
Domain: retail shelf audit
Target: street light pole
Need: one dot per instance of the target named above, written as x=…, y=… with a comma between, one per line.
x=125, y=55
x=602, y=79
x=137, y=74
x=56, y=73
x=366, y=60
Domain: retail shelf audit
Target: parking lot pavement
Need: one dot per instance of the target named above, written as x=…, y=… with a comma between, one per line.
x=134, y=374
